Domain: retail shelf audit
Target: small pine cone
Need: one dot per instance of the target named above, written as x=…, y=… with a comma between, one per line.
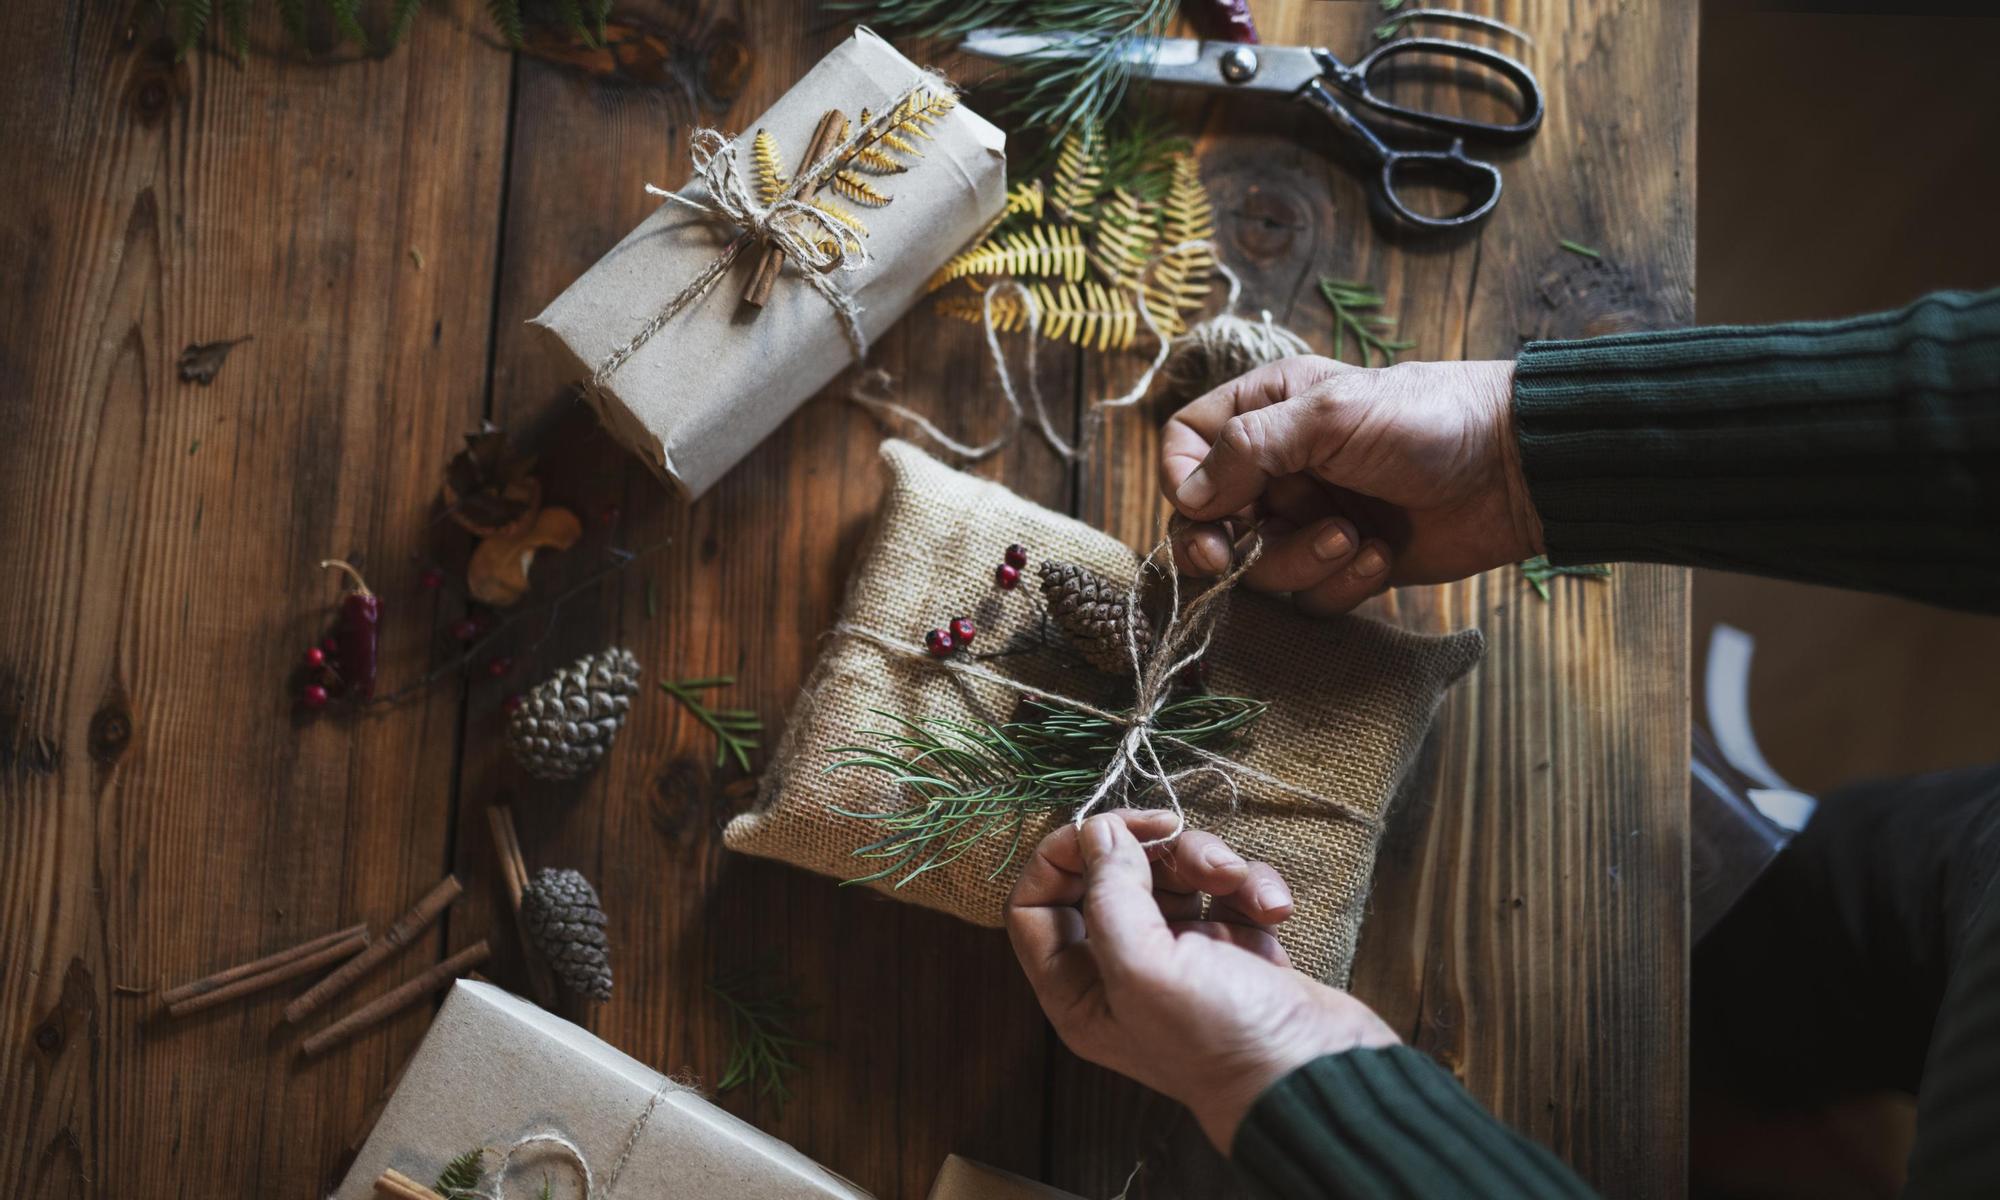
x=1091, y=613
x=563, y=916
x=564, y=726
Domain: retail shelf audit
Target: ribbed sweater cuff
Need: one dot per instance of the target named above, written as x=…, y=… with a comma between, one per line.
x=1388, y=1123
x=1863, y=453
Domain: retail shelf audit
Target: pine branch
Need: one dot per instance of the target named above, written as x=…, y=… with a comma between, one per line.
x=1356, y=310
x=347, y=21
x=1540, y=570
x=976, y=783
x=729, y=724
x=236, y=27
x=462, y=1176
x=401, y=19
x=506, y=16
x=761, y=1010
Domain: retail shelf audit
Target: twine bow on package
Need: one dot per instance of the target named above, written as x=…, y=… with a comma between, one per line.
x=694, y=344
x=548, y=1102
x=1323, y=717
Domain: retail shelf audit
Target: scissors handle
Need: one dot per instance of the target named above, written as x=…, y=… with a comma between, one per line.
x=1478, y=182
x=1528, y=103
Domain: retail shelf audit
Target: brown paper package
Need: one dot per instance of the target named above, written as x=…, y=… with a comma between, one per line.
x=717, y=379
x=1350, y=701
x=494, y=1068
x=963, y=1179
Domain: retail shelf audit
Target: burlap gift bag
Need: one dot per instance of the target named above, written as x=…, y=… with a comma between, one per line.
x=1349, y=700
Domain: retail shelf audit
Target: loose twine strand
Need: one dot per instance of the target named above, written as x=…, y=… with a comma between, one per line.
x=1182, y=639
x=812, y=238
x=1225, y=342
x=574, y=1155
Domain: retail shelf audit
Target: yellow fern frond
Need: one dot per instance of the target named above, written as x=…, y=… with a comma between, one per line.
x=1126, y=239
x=850, y=186
x=1079, y=173
x=770, y=172
x=1039, y=250
x=1027, y=198
x=841, y=215
x=1088, y=316
x=872, y=160
x=922, y=110
x=1187, y=215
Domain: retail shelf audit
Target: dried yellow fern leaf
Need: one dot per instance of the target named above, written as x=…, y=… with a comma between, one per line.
x=872, y=160
x=1126, y=238
x=1087, y=315
x=1079, y=173
x=1039, y=250
x=1183, y=280
x=850, y=186
x=1027, y=198
x=770, y=172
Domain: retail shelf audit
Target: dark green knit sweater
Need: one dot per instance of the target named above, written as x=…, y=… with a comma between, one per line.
x=1862, y=453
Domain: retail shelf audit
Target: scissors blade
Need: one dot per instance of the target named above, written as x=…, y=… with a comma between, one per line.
x=1219, y=66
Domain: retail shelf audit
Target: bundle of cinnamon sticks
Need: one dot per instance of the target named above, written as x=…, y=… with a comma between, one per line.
x=356, y=954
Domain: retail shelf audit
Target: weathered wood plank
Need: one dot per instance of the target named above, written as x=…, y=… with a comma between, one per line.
x=162, y=811
x=1528, y=922
x=931, y=1041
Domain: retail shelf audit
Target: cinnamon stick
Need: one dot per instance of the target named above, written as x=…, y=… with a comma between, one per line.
x=209, y=983
x=513, y=870
x=394, y=1185
x=391, y=1002
x=824, y=138
x=400, y=934
x=325, y=957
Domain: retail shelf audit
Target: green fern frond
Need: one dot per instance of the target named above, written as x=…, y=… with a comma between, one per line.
x=507, y=15
x=236, y=26
x=764, y=161
x=190, y=21
x=401, y=18
x=292, y=14
x=462, y=1176
x=347, y=21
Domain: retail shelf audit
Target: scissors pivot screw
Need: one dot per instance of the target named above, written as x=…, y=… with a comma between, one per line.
x=1239, y=64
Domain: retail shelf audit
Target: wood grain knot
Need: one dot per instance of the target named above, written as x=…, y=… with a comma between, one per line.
x=151, y=92
x=110, y=733
x=49, y=1038
x=725, y=63
x=682, y=799
x=1266, y=223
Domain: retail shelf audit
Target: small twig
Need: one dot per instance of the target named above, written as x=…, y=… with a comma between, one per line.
x=1579, y=248
x=514, y=871
x=1540, y=570
x=209, y=983
x=389, y=1003
x=477, y=649
x=728, y=724
x=761, y=1012
x=400, y=934
x=306, y=965
x=1355, y=308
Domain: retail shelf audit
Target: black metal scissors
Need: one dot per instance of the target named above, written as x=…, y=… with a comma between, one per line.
x=1314, y=76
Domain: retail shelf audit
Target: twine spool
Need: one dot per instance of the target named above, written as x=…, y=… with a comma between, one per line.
x=1222, y=348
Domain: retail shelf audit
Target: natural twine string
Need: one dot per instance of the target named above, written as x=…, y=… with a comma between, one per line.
x=1218, y=349
x=574, y=1154
x=1182, y=639
x=812, y=238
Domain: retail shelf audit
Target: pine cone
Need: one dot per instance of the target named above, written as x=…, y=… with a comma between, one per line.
x=564, y=726
x=1091, y=613
x=563, y=916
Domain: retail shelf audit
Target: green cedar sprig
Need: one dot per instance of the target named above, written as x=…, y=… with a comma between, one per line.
x=187, y=21
x=462, y=1176
x=729, y=724
x=1058, y=94
x=762, y=1010
x=1356, y=310
x=973, y=783
x=1540, y=570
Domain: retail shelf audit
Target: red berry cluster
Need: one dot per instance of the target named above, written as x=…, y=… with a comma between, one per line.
x=955, y=636
x=322, y=674
x=1008, y=573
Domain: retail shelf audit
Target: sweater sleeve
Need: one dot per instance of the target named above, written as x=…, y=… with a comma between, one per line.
x=1388, y=1124
x=1862, y=453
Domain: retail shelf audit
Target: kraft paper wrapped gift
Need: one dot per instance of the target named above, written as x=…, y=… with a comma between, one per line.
x=495, y=1068
x=963, y=1179
x=716, y=379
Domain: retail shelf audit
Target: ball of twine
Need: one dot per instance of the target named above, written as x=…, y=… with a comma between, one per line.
x=1220, y=349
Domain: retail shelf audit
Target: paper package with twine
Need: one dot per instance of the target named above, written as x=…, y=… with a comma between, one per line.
x=1349, y=701
x=494, y=1070
x=695, y=397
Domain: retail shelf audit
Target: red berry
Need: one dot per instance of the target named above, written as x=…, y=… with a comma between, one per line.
x=1006, y=575
x=431, y=580
x=314, y=696
x=315, y=657
x=962, y=630
x=1017, y=556
x=499, y=666
x=464, y=629
x=511, y=703
x=609, y=514
x=330, y=647
x=938, y=642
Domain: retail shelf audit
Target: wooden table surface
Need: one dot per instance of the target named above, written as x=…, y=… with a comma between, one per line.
x=381, y=228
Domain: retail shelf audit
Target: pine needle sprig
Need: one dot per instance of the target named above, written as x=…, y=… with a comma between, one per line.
x=730, y=725
x=1540, y=570
x=1357, y=310
x=462, y=1176
x=762, y=1011
x=976, y=783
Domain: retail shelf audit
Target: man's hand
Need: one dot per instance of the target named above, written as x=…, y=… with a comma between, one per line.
x=1361, y=478
x=1134, y=977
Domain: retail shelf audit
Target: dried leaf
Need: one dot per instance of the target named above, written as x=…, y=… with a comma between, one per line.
x=487, y=486
x=498, y=572
x=201, y=360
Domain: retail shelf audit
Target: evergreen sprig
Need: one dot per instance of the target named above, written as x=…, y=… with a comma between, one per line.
x=462, y=1176
x=1059, y=94
x=762, y=1010
x=1357, y=310
x=973, y=783
x=1540, y=570
x=187, y=21
x=729, y=724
